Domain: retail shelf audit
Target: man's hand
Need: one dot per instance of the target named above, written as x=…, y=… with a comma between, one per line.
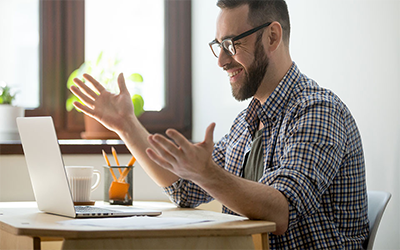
x=187, y=160
x=108, y=108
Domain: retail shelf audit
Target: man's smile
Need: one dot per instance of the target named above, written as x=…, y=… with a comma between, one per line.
x=233, y=74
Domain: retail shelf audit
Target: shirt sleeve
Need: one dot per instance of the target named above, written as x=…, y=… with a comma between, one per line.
x=313, y=149
x=185, y=193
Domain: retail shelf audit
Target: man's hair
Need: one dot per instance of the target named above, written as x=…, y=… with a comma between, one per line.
x=262, y=11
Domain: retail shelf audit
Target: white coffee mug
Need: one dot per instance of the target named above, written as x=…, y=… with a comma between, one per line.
x=80, y=182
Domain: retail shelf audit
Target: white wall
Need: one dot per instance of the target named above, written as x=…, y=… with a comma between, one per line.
x=349, y=46
x=212, y=98
x=353, y=48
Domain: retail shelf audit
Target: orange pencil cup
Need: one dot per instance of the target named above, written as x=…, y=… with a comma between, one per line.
x=118, y=185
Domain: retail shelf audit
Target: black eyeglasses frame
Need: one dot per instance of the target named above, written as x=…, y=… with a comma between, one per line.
x=233, y=39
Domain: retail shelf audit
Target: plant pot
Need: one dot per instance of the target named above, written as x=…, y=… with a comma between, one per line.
x=95, y=130
x=8, y=121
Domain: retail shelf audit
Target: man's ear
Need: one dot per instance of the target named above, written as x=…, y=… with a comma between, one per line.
x=273, y=36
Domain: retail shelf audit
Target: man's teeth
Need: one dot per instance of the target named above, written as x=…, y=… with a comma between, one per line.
x=233, y=73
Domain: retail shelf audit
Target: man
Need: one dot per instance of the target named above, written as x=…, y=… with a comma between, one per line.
x=293, y=156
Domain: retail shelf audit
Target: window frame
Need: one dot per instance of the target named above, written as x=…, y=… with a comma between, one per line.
x=62, y=45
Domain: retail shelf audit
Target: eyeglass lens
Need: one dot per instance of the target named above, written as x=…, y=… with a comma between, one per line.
x=227, y=45
x=216, y=48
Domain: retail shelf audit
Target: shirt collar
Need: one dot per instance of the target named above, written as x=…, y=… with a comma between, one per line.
x=275, y=103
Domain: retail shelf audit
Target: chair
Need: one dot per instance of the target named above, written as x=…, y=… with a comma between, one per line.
x=377, y=201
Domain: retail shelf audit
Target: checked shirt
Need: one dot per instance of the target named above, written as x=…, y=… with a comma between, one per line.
x=312, y=153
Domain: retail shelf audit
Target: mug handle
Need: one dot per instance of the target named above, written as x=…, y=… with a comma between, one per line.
x=97, y=183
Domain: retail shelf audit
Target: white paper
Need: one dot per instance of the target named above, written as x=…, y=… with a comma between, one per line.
x=136, y=222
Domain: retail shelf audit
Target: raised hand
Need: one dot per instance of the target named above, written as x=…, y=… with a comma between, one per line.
x=108, y=108
x=187, y=160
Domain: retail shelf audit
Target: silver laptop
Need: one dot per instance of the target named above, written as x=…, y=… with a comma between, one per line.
x=48, y=176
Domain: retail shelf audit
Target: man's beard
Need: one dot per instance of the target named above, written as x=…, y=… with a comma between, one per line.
x=255, y=74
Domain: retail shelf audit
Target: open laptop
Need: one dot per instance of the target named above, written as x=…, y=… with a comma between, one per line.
x=48, y=176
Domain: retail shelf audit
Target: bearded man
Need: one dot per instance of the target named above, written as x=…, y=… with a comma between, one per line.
x=293, y=156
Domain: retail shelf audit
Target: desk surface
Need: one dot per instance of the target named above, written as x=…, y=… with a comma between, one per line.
x=24, y=219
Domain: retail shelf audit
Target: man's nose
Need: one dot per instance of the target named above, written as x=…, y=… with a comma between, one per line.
x=223, y=58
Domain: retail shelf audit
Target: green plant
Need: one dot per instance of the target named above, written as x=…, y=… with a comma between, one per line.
x=105, y=70
x=6, y=95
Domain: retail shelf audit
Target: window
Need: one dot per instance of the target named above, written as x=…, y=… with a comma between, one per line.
x=19, y=49
x=62, y=49
x=131, y=32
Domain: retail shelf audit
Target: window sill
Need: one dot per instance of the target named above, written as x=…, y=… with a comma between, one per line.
x=77, y=146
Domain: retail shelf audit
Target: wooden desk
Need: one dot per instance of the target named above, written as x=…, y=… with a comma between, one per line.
x=23, y=226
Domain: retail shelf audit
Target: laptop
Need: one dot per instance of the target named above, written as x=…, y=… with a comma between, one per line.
x=48, y=176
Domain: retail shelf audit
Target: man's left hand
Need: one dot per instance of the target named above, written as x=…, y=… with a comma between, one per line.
x=183, y=158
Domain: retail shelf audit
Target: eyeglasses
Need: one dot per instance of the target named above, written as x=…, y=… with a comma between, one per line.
x=229, y=44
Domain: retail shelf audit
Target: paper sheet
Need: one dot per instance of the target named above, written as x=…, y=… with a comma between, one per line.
x=136, y=222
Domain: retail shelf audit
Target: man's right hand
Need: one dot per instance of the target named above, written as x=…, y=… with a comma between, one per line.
x=112, y=110
x=116, y=112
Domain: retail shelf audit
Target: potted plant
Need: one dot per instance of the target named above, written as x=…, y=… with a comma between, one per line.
x=106, y=71
x=9, y=113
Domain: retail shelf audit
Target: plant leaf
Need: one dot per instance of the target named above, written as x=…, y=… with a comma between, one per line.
x=136, y=77
x=138, y=104
x=70, y=81
x=69, y=104
x=6, y=96
x=99, y=58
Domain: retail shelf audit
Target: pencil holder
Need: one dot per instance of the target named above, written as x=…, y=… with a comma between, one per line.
x=118, y=185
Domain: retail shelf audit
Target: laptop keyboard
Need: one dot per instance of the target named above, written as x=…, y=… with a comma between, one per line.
x=91, y=210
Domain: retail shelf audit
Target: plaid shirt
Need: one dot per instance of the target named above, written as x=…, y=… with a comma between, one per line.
x=312, y=154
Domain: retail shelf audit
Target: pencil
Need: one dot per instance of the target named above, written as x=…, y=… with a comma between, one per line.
x=108, y=164
x=126, y=170
x=114, y=153
x=124, y=174
x=132, y=161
